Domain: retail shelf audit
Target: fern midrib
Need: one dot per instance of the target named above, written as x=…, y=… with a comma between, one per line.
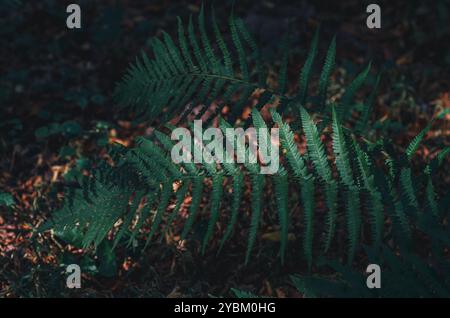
x=205, y=75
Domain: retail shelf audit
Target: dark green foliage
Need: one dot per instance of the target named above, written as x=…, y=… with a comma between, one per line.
x=243, y=294
x=345, y=105
x=363, y=122
x=143, y=193
x=201, y=67
x=147, y=188
x=404, y=276
x=196, y=75
x=326, y=72
x=6, y=199
x=306, y=70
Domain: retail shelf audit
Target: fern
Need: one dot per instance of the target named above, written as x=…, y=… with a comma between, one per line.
x=243, y=294
x=319, y=159
x=146, y=187
x=342, y=155
x=408, y=189
x=237, y=189
x=352, y=196
x=306, y=70
x=281, y=196
x=282, y=81
x=326, y=72
x=315, y=147
x=345, y=105
x=144, y=191
x=375, y=201
x=201, y=68
x=402, y=276
x=430, y=193
x=196, y=75
x=304, y=180
x=414, y=144
x=363, y=121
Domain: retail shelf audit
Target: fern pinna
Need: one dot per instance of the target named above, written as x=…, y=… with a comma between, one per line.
x=143, y=182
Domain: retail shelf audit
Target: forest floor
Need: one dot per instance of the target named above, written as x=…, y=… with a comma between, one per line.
x=56, y=89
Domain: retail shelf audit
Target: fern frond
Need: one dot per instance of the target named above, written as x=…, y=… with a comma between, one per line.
x=431, y=194
x=162, y=206
x=331, y=192
x=239, y=49
x=138, y=188
x=256, y=54
x=342, y=156
x=326, y=72
x=345, y=104
x=216, y=198
x=345, y=171
x=243, y=294
x=228, y=63
x=408, y=188
x=319, y=159
x=442, y=154
x=209, y=53
x=189, y=73
x=257, y=181
x=281, y=198
x=257, y=184
x=282, y=77
x=414, y=144
x=142, y=218
x=306, y=70
x=315, y=147
x=238, y=185
x=307, y=192
x=404, y=275
x=197, y=190
x=363, y=121
x=353, y=220
x=401, y=224
x=305, y=181
x=294, y=158
x=184, y=45
x=314, y=286
x=180, y=195
x=128, y=218
x=376, y=207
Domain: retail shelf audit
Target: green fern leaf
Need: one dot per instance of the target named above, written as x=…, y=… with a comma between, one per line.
x=238, y=185
x=281, y=198
x=216, y=198
x=414, y=144
x=307, y=192
x=340, y=149
x=257, y=181
x=326, y=72
x=363, y=121
x=197, y=190
x=306, y=70
x=315, y=147
x=408, y=188
x=282, y=78
x=345, y=105
x=162, y=206
x=353, y=220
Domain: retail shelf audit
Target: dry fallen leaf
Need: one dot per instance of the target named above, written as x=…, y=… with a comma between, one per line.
x=276, y=236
